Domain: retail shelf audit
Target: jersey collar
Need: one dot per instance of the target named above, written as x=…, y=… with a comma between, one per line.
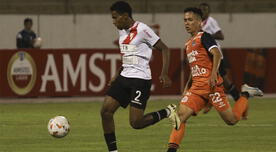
x=204, y=22
x=134, y=25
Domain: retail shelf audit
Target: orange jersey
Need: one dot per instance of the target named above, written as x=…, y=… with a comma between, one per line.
x=200, y=62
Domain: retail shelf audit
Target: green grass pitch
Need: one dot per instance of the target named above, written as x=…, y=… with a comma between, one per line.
x=23, y=128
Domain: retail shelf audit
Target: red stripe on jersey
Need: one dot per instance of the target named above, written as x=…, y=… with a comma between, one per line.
x=204, y=23
x=131, y=35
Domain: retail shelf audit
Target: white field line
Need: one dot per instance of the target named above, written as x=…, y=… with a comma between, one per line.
x=89, y=99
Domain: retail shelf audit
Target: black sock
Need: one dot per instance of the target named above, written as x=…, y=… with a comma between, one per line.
x=172, y=147
x=159, y=115
x=245, y=94
x=172, y=150
x=110, y=140
x=234, y=92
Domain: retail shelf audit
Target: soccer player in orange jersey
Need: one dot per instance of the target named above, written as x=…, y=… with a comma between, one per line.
x=211, y=26
x=206, y=85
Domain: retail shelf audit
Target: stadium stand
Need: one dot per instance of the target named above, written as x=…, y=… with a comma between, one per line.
x=141, y=6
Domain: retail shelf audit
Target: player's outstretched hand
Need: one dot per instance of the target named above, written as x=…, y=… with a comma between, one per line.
x=213, y=81
x=165, y=80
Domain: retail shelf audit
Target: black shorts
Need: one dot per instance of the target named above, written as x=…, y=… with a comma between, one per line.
x=130, y=90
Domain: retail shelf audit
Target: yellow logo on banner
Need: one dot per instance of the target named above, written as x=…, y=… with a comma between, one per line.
x=21, y=73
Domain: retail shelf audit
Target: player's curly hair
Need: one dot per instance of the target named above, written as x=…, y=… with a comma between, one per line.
x=204, y=4
x=121, y=7
x=28, y=20
x=195, y=10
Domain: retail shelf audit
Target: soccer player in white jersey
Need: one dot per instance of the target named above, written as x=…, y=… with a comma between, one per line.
x=131, y=85
x=210, y=25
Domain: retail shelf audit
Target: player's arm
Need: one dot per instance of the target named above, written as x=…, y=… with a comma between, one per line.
x=154, y=41
x=19, y=41
x=34, y=38
x=164, y=78
x=188, y=85
x=210, y=45
x=218, y=35
x=189, y=81
x=216, y=59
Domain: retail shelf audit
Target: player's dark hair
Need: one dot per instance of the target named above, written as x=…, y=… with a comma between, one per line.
x=121, y=7
x=205, y=4
x=28, y=20
x=195, y=10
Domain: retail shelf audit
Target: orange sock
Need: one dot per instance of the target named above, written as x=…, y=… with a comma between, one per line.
x=176, y=136
x=245, y=113
x=240, y=106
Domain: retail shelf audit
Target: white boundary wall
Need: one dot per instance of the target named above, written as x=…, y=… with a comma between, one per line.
x=97, y=31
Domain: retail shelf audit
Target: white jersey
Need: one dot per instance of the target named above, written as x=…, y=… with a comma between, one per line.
x=136, y=45
x=210, y=25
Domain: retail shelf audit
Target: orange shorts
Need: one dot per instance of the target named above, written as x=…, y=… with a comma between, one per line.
x=196, y=101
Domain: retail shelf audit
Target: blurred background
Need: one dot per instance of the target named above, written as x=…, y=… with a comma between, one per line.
x=79, y=53
x=87, y=23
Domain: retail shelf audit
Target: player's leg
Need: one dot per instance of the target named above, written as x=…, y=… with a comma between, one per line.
x=232, y=90
x=190, y=104
x=139, y=96
x=138, y=120
x=241, y=105
x=245, y=113
x=252, y=91
x=109, y=107
x=176, y=136
x=117, y=96
x=221, y=104
x=229, y=115
x=230, y=87
x=232, y=116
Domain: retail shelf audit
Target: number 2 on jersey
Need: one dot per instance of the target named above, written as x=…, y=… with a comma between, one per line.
x=215, y=97
x=138, y=92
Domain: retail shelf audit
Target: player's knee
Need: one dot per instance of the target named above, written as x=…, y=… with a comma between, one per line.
x=105, y=113
x=182, y=117
x=136, y=124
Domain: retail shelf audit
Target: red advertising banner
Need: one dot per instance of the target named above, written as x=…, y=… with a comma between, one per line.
x=253, y=66
x=71, y=72
x=86, y=72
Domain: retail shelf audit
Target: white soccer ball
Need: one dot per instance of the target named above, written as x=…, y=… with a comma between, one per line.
x=38, y=42
x=58, y=126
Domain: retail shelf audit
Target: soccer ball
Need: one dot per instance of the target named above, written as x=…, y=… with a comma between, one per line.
x=38, y=42
x=58, y=126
